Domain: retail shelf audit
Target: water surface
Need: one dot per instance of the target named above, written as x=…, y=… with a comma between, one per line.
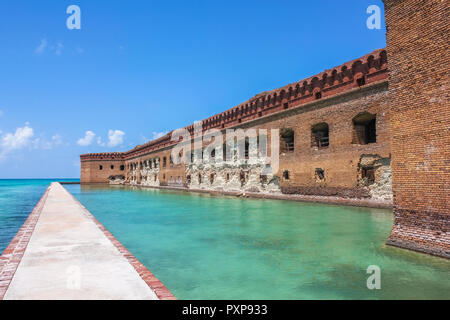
x=214, y=247
x=17, y=199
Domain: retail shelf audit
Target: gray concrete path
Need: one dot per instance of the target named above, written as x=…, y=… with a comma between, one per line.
x=69, y=257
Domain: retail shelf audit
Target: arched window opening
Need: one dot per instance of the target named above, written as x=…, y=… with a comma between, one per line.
x=287, y=140
x=364, y=128
x=320, y=135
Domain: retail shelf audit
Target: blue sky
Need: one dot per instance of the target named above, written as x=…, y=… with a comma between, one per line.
x=140, y=68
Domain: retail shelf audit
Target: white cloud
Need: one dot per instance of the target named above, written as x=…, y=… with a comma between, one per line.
x=24, y=137
x=17, y=140
x=58, y=48
x=44, y=45
x=157, y=135
x=43, y=143
x=100, y=142
x=56, y=139
x=87, y=140
x=41, y=48
x=115, y=138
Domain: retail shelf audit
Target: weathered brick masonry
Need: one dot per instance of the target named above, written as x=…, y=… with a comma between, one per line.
x=335, y=102
x=418, y=51
x=337, y=132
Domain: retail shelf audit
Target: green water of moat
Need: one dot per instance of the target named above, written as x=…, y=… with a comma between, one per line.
x=213, y=247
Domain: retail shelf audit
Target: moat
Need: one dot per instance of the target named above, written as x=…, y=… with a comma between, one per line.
x=215, y=247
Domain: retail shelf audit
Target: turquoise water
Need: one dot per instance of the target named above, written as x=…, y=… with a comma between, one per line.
x=209, y=247
x=17, y=200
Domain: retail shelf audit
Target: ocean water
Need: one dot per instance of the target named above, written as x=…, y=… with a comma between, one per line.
x=17, y=200
x=215, y=247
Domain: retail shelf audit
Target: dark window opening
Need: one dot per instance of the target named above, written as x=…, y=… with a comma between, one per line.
x=213, y=153
x=122, y=167
x=242, y=178
x=287, y=140
x=188, y=178
x=368, y=173
x=164, y=162
x=259, y=114
x=224, y=151
x=286, y=174
x=100, y=167
x=361, y=81
x=286, y=105
x=320, y=174
x=320, y=135
x=239, y=120
x=164, y=176
x=247, y=148
x=227, y=177
x=112, y=167
x=364, y=128
x=318, y=95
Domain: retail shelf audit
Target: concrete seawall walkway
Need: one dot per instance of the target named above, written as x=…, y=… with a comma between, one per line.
x=63, y=252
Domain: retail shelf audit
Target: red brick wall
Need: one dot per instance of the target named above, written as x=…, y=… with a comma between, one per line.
x=417, y=45
x=91, y=173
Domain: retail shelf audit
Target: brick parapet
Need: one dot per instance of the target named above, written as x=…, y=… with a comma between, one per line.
x=372, y=68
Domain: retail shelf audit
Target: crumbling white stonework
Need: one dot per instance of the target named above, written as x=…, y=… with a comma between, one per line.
x=150, y=173
x=247, y=175
x=381, y=187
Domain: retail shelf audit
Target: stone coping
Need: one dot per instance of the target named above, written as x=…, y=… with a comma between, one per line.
x=13, y=254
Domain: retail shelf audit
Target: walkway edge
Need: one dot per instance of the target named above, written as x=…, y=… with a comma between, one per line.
x=13, y=254
x=149, y=278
